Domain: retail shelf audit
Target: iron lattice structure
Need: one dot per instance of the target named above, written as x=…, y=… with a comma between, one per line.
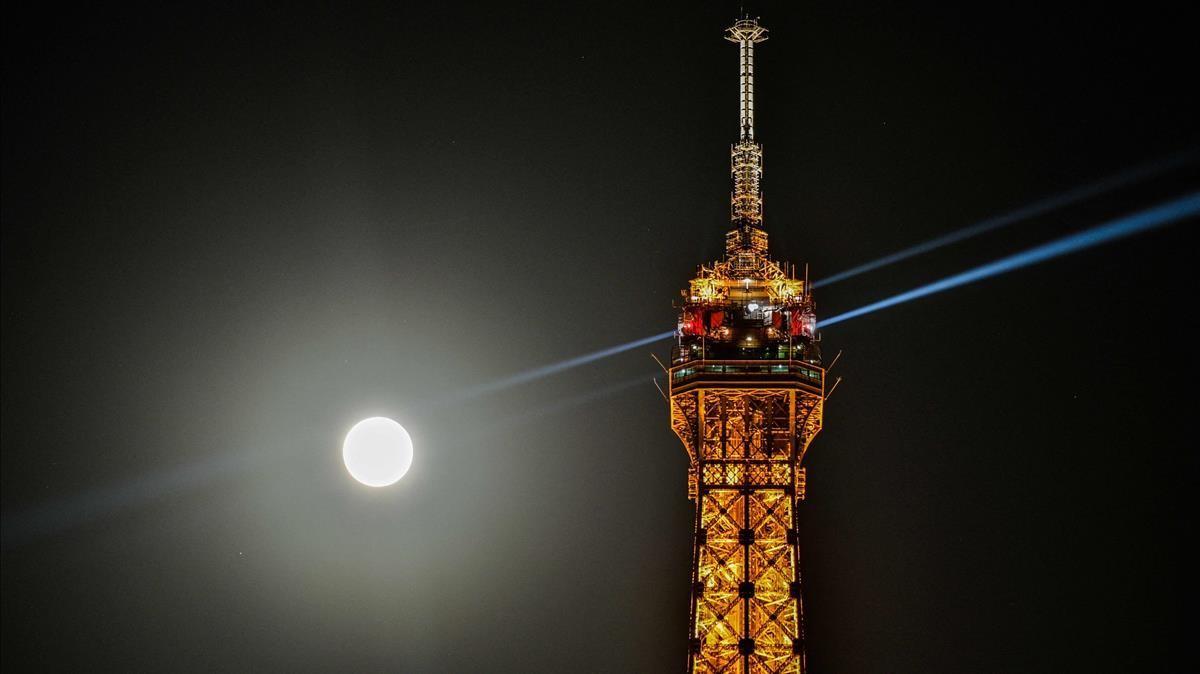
x=746, y=397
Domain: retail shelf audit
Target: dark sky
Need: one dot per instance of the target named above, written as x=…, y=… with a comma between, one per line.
x=230, y=233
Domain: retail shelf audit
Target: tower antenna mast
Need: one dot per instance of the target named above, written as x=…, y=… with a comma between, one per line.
x=747, y=240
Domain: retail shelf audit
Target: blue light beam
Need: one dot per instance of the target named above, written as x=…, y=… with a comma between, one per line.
x=1032, y=210
x=1038, y=208
x=1142, y=221
x=555, y=368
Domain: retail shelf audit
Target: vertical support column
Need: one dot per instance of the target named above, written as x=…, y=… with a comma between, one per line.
x=698, y=537
x=799, y=645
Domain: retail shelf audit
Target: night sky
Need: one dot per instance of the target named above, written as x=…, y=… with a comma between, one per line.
x=230, y=233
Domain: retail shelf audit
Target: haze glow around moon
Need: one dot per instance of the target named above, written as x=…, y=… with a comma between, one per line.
x=377, y=451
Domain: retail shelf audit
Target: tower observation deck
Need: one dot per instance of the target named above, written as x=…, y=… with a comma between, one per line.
x=746, y=394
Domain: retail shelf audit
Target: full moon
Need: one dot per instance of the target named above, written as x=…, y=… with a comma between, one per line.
x=377, y=451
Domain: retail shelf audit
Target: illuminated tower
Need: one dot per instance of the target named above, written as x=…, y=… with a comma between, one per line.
x=746, y=396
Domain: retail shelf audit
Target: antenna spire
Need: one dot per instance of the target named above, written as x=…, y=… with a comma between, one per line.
x=747, y=240
x=746, y=33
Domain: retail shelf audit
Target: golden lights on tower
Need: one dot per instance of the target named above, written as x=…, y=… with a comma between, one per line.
x=746, y=399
